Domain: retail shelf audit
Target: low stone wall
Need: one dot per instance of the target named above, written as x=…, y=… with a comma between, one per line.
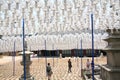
x=110, y=73
x=86, y=74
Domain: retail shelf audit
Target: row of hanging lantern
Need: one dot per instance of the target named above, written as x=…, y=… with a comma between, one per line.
x=66, y=41
x=52, y=20
x=58, y=15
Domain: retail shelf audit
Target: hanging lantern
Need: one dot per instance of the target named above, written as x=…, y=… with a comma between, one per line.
x=9, y=6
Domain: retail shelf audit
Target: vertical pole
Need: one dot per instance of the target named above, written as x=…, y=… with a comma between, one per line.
x=14, y=53
x=77, y=55
x=58, y=54
x=24, y=60
x=38, y=55
x=45, y=57
x=45, y=53
x=81, y=59
x=92, y=47
x=53, y=54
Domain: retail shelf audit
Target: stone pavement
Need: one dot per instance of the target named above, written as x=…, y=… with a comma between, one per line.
x=38, y=68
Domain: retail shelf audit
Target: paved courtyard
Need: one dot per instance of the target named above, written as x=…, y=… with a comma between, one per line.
x=38, y=68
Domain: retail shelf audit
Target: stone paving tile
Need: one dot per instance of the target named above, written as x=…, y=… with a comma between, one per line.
x=38, y=67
